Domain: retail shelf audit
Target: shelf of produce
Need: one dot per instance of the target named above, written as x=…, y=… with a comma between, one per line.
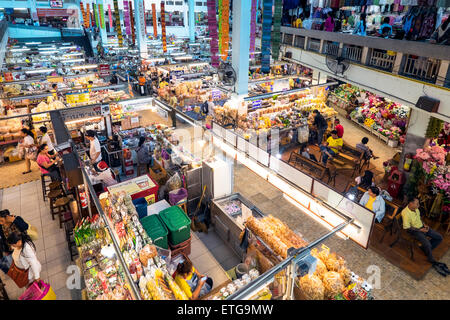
x=2, y=143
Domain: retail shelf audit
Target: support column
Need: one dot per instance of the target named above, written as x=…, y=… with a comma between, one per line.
x=442, y=74
x=191, y=14
x=140, y=28
x=397, y=63
x=241, y=44
x=33, y=11
x=101, y=22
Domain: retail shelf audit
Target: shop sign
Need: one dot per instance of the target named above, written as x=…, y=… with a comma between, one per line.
x=76, y=114
x=56, y=3
x=53, y=12
x=104, y=70
x=55, y=79
x=73, y=98
x=256, y=104
x=216, y=94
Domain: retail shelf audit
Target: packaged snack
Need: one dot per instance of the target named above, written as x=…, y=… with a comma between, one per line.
x=312, y=287
x=333, y=284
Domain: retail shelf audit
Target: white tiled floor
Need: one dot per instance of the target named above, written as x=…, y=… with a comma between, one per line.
x=26, y=201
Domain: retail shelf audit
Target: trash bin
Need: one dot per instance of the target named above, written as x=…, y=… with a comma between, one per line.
x=141, y=207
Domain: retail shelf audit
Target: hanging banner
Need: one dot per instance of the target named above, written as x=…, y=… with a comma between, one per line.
x=87, y=21
x=85, y=16
x=220, y=26
x=276, y=34
x=266, y=36
x=101, y=13
x=155, y=30
x=110, y=18
x=94, y=7
x=118, y=27
x=133, y=33
x=163, y=27
x=126, y=17
x=212, y=28
x=142, y=22
x=145, y=18
x=225, y=29
x=253, y=29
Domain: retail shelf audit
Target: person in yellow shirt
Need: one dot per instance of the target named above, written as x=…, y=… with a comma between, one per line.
x=53, y=90
x=332, y=147
x=194, y=284
x=420, y=231
x=163, y=83
x=298, y=22
x=89, y=86
x=374, y=202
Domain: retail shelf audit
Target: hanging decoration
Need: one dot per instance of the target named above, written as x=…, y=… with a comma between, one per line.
x=92, y=15
x=220, y=26
x=225, y=29
x=212, y=28
x=118, y=27
x=94, y=7
x=85, y=12
x=253, y=29
x=266, y=36
x=110, y=18
x=163, y=27
x=101, y=15
x=133, y=33
x=142, y=34
x=155, y=27
x=145, y=18
x=276, y=34
x=126, y=17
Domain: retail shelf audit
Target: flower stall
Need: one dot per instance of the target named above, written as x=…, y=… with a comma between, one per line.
x=383, y=118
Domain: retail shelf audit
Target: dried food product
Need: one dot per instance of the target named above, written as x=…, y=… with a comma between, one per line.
x=333, y=283
x=332, y=262
x=312, y=287
x=346, y=274
x=321, y=269
x=147, y=252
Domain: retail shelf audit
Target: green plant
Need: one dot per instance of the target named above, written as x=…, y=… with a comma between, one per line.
x=434, y=127
x=414, y=178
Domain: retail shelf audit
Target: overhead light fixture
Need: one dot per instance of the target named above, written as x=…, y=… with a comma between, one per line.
x=47, y=48
x=84, y=120
x=19, y=50
x=183, y=58
x=32, y=43
x=40, y=71
x=86, y=66
x=68, y=48
x=72, y=60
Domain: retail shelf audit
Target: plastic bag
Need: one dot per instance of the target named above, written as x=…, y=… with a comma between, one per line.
x=174, y=182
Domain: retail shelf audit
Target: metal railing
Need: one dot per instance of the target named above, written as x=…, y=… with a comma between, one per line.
x=381, y=59
x=353, y=53
x=331, y=48
x=314, y=44
x=299, y=41
x=287, y=39
x=421, y=68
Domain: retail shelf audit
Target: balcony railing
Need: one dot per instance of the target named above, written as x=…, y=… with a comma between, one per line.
x=418, y=60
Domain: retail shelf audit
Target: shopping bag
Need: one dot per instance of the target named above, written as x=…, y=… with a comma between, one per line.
x=19, y=276
x=32, y=232
x=39, y=291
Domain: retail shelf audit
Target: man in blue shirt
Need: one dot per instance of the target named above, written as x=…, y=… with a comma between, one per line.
x=386, y=28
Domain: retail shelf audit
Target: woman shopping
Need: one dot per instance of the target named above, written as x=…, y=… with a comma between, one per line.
x=25, y=268
x=361, y=28
x=194, y=284
x=48, y=166
x=45, y=138
x=10, y=224
x=28, y=148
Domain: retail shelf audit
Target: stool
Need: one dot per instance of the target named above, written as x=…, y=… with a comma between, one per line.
x=63, y=210
x=57, y=185
x=68, y=229
x=183, y=206
x=53, y=196
x=45, y=186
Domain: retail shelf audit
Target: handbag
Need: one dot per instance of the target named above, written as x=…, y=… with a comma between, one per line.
x=19, y=276
x=31, y=153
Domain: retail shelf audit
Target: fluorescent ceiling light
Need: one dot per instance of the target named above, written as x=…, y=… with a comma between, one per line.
x=67, y=48
x=19, y=50
x=72, y=60
x=47, y=49
x=183, y=58
x=155, y=60
x=86, y=66
x=49, y=52
x=31, y=43
x=40, y=71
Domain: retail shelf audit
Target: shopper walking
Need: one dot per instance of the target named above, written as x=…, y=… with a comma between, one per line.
x=25, y=268
x=373, y=201
x=8, y=225
x=48, y=166
x=194, y=284
x=320, y=124
x=142, y=81
x=95, y=151
x=28, y=148
x=361, y=28
x=420, y=231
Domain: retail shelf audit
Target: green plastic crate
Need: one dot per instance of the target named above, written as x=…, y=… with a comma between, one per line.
x=177, y=223
x=156, y=230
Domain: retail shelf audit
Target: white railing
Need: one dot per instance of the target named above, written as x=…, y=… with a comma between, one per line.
x=421, y=68
x=353, y=53
x=314, y=44
x=381, y=59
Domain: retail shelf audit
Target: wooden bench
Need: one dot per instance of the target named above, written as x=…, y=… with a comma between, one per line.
x=392, y=210
x=314, y=167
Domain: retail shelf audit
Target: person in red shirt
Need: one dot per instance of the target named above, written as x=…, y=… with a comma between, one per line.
x=339, y=128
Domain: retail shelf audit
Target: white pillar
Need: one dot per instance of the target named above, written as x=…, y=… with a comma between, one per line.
x=191, y=4
x=33, y=11
x=140, y=28
x=241, y=43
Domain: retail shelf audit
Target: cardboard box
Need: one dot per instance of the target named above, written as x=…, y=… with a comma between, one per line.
x=126, y=124
x=135, y=122
x=159, y=174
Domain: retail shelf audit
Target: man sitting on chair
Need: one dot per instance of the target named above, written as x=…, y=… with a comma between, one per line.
x=332, y=147
x=367, y=151
x=420, y=231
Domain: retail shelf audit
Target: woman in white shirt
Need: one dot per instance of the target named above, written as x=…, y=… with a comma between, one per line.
x=46, y=139
x=95, y=151
x=24, y=255
x=28, y=146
